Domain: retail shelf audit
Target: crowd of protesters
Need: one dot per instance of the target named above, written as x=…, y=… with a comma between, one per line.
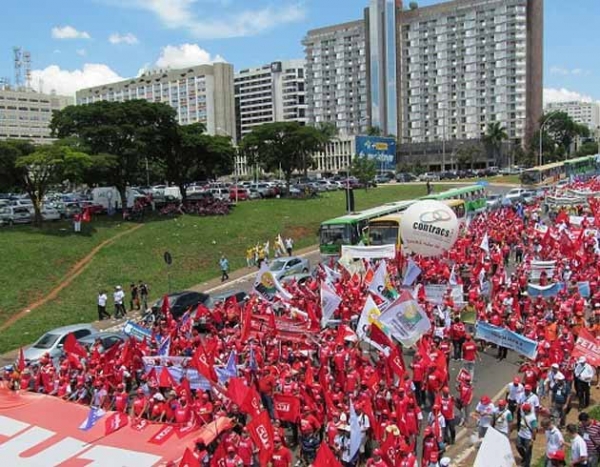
x=406, y=412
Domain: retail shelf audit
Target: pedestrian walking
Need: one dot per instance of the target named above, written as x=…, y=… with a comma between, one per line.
x=224, y=265
x=134, y=297
x=584, y=373
x=289, y=246
x=102, y=299
x=119, y=299
x=579, y=450
x=502, y=418
x=144, y=291
x=554, y=439
x=77, y=222
x=527, y=429
x=590, y=430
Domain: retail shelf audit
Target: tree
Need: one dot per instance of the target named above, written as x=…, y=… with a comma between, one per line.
x=48, y=165
x=413, y=5
x=493, y=139
x=364, y=169
x=560, y=130
x=119, y=136
x=374, y=131
x=11, y=176
x=288, y=146
x=468, y=154
x=588, y=148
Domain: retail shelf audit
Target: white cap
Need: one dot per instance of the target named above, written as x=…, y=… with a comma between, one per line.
x=445, y=461
x=555, y=365
x=581, y=360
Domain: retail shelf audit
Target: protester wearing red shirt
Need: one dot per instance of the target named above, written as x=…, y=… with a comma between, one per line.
x=246, y=448
x=419, y=369
x=447, y=408
x=121, y=399
x=469, y=349
x=377, y=460
x=281, y=457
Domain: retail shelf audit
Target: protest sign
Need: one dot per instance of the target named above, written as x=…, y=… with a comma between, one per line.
x=506, y=338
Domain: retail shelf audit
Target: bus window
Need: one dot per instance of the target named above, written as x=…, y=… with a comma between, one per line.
x=459, y=210
x=384, y=233
x=336, y=235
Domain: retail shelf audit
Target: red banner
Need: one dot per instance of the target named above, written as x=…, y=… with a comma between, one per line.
x=587, y=346
x=251, y=404
x=261, y=431
x=115, y=422
x=162, y=435
x=140, y=424
x=287, y=407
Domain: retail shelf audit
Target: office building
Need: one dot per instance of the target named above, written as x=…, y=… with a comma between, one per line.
x=467, y=63
x=584, y=113
x=271, y=93
x=199, y=94
x=25, y=114
x=336, y=77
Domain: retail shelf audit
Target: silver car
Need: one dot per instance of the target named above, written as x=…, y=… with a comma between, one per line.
x=52, y=342
x=10, y=215
x=282, y=267
x=493, y=201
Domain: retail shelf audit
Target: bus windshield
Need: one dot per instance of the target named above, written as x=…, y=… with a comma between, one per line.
x=384, y=233
x=336, y=235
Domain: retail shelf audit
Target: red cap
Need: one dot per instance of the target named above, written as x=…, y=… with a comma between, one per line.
x=526, y=407
x=528, y=387
x=485, y=400
x=502, y=402
x=377, y=452
x=557, y=455
x=230, y=449
x=516, y=380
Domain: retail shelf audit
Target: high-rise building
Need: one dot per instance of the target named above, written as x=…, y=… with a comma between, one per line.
x=584, y=113
x=467, y=63
x=336, y=77
x=25, y=114
x=271, y=93
x=199, y=94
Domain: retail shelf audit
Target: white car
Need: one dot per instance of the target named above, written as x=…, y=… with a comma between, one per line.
x=516, y=194
x=50, y=214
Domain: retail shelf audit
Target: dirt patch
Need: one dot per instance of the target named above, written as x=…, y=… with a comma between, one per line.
x=73, y=273
x=298, y=232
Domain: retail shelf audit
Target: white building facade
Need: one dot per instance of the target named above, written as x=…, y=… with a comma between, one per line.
x=272, y=93
x=26, y=114
x=199, y=94
x=584, y=113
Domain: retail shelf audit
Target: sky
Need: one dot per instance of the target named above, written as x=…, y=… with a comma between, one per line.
x=81, y=43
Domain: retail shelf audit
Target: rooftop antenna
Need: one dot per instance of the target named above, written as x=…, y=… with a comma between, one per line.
x=27, y=68
x=18, y=66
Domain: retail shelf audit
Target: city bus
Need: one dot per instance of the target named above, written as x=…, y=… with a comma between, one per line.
x=385, y=230
x=543, y=175
x=581, y=166
x=472, y=195
x=350, y=229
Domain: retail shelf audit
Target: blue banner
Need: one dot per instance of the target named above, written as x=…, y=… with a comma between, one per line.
x=584, y=289
x=138, y=332
x=380, y=149
x=545, y=291
x=506, y=338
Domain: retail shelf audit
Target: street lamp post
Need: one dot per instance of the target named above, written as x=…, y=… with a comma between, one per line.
x=548, y=118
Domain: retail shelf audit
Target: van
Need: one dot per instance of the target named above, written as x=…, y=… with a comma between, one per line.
x=10, y=215
x=109, y=197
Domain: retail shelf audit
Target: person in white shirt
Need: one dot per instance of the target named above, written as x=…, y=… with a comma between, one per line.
x=485, y=413
x=102, y=299
x=119, y=299
x=514, y=392
x=551, y=378
x=529, y=397
x=502, y=418
x=527, y=429
x=554, y=439
x=584, y=373
x=579, y=452
x=289, y=246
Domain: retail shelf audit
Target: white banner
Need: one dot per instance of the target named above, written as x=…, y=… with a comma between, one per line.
x=406, y=321
x=577, y=220
x=329, y=303
x=369, y=315
x=495, y=451
x=267, y=286
x=369, y=252
x=435, y=293
x=538, y=266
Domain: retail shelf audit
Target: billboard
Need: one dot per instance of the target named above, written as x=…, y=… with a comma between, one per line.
x=379, y=148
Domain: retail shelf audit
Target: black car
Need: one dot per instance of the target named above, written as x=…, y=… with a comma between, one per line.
x=405, y=177
x=180, y=302
x=239, y=295
x=107, y=338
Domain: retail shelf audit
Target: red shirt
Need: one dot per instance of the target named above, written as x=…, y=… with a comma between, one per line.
x=245, y=450
x=418, y=372
x=469, y=351
x=447, y=404
x=121, y=402
x=266, y=384
x=281, y=457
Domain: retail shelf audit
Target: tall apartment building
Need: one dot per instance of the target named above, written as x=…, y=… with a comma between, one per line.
x=585, y=113
x=27, y=114
x=466, y=63
x=272, y=93
x=199, y=94
x=336, y=77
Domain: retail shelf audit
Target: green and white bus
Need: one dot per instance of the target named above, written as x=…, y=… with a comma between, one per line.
x=350, y=229
x=472, y=195
x=581, y=166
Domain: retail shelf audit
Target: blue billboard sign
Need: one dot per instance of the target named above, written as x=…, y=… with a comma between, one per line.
x=381, y=149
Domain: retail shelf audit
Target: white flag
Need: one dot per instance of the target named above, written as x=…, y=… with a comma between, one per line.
x=329, y=303
x=405, y=320
x=280, y=245
x=381, y=285
x=267, y=286
x=370, y=315
x=452, y=280
x=355, y=432
x=485, y=244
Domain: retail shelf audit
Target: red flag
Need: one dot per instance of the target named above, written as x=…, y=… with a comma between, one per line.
x=218, y=456
x=395, y=363
x=377, y=335
x=562, y=216
x=329, y=405
x=165, y=307
x=423, y=351
x=86, y=217
x=21, y=365
x=165, y=379
x=115, y=422
x=237, y=390
x=251, y=404
x=162, y=435
x=309, y=377
x=201, y=312
x=139, y=424
x=189, y=460
x=325, y=457
x=246, y=322
x=204, y=365
x=389, y=450
x=587, y=346
x=261, y=431
x=287, y=407
x=72, y=346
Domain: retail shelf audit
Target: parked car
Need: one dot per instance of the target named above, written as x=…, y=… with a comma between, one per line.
x=282, y=267
x=10, y=215
x=329, y=186
x=180, y=302
x=493, y=201
x=93, y=208
x=429, y=177
x=405, y=177
x=50, y=214
x=239, y=295
x=515, y=195
x=52, y=342
x=529, y=196
x=253, y=193
x=107, y=339
x=382, y=179
x=239, y=194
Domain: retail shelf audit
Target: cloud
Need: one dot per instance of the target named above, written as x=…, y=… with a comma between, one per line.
x=81, y=52
x=564, y=95
x=185, y=55
x=66, y=82
x=127, y=38
x=559, y=70
x=69, y=32
x=181, y=14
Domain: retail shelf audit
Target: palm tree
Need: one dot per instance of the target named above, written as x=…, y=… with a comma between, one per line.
x=493, y=139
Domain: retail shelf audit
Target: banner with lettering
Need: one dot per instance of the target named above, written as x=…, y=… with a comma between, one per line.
x=587, y=346
x=506, y=338
x=287, y=407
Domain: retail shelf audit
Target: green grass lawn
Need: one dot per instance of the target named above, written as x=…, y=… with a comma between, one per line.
x=500, y=179
x=195, y=243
